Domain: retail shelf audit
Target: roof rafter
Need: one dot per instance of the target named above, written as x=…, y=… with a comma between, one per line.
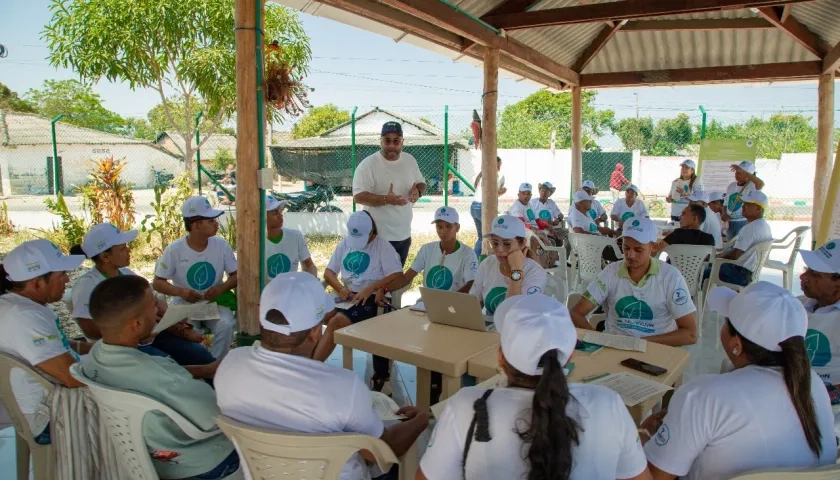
x=596, y=45
x=624, y=10
x=796, y=30
x=507, y=6
x=831, y=62
x=700, y=24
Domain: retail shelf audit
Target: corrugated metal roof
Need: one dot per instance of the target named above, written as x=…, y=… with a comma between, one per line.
x=822, y=18
x=30, y=129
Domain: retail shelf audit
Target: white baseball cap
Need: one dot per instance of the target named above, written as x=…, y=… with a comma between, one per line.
x=104, y=236
x=642, y=230
x=198, y=206
x=525, y=187
x=582, y=196
x=507, y=227
x=446, y=214
x=547, y=185
x=689, y=163
x=633, y=187
x=300, y=297
x=764, y=313
x=359, y=226
x=824, y=259
x=699, y=196
x=757, y=197
x=272, y=203
x=38, y=257
x=748, y=167
x=532, y=325
x=588, y=184
x=716, y=196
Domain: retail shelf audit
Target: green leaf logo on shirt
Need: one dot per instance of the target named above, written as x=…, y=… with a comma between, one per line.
x=819, y=349
x=545, y=215
x=734, y=203
x=530, y=214
x=440, y=278
x=356, y=262
x=592, y=227
x=634, y=314
x=627, y=215
x=277, y=264
x=593, y=214
x=201, y=276
x=494, y=298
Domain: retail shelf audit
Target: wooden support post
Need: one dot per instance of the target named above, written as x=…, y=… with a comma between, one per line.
x=577, y=141
x=247, y=166
x=825, y=142
x=489, y=168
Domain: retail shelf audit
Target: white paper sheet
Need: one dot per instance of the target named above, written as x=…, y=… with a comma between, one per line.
x=619, y=342
x=496, y=381
x=179, y=311
x=633, y=389
x=418, y=307
x=385, y=406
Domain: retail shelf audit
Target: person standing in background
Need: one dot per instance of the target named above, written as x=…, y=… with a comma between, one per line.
x=745, y=183
x=475, y=208
x=617, y=181
x=682, y=188
x=387, y=184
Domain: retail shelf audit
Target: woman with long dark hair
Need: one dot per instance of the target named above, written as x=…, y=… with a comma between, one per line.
x=772, y=411
x=681, y=188
x=539, y=427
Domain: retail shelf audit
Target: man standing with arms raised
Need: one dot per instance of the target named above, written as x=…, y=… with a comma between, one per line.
x=387, y=184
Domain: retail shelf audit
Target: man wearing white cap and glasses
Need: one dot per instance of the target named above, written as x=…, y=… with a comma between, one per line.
x=540, y=425
x=196, y=264
x=521, y=208
x=681, y=188
x=643, y=296
x=297, y=393
x=32, y=276
x=711, y=222
x=745, y=183
x=286, y=247
x=628, y=207
x=820, y=283
x=772, y=411
x=756, y=230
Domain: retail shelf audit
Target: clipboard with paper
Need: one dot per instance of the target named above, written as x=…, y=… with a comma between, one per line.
x=192, y=311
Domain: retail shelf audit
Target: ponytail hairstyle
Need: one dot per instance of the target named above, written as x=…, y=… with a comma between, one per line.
x=551, y=433
x=796, y=370
x=691, y=182
x=7, y=285
x=77, y=250
x=528, y=252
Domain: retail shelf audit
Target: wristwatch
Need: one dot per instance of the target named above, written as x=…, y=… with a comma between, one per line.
x=516, y=275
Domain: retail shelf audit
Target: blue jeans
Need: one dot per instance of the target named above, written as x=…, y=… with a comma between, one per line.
x=731, y=273
x=734, y=228
x=360, y=313
x=183, y=351
x=475, y=211
x=228, y=466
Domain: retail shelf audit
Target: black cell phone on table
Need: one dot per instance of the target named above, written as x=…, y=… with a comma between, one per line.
x=643, y=367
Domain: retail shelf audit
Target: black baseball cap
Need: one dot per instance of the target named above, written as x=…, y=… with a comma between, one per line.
x=392, y=127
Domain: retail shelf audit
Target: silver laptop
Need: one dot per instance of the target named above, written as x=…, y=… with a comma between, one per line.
x=453, y=308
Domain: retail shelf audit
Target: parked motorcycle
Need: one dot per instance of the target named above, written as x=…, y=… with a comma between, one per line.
x=315, y=200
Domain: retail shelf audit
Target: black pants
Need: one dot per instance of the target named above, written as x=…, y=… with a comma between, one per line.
x=402, y=247
x=366, y=311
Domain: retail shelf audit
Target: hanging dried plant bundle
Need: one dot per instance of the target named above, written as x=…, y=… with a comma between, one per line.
x=283, y=90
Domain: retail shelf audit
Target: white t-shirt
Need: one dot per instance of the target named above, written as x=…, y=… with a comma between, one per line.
x=547, y=211
x=733, y=200
x=576, y=219
x=680, y=192
x=285, y=256
x=199, y=271
x=296, y=394
x=520, y=210
x=478, y=193
x=753, y=233
x=823, y=339
x=712, y=226
x=622, y=211
x=360, y=268
x=720, y=426
x=32, y=334
x=609, y=443
x=491, y=286
x=594, y=213
x=376, y=175
x=84, y=287
x=641, y=311
x=445, y=272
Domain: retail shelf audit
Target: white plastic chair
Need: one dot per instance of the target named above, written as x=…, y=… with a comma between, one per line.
x=593, y=318
x=301, y=456
x=587, y=251
x=43, y=460
x=123, y=413
x=691, y=261
x=782, y=244
x=761, y=249
x=827, y=472
x=558, y=277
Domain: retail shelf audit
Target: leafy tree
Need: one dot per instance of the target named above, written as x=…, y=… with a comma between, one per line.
x=635, y=133
x=781, y=133
x=78, y=102
x=318, y=120
x=140, y=128
x=184, y=46
x=667, y=137
x=529, y=122
x=10, y=100
x=222, y=159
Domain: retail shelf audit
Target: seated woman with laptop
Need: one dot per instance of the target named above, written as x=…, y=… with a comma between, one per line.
x=510, y=271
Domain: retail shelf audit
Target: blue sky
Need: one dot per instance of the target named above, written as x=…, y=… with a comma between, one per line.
x=352, y=67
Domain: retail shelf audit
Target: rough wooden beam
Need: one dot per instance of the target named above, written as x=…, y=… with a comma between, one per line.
x=786, y=12
x=595, y=46
x=796, y=30
x=507, y=6
x=624, y=10
x=831, y=62
x=445, y=17
x=577, y=139
x=825, y=143
x=489, y=165
x=704, y=24
x=743, y=73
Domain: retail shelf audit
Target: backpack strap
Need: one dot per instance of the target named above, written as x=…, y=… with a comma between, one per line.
x=480, y=420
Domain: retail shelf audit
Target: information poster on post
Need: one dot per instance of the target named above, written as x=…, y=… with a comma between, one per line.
x=717, y=157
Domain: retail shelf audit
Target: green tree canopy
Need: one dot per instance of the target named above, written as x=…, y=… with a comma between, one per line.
x=10, y=100
x=318, y=120
x=667, y=137
x=185, y=47
x=779, y=134
x=78, y=102
x=529, y=122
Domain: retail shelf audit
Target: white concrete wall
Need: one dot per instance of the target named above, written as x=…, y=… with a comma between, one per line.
x=521, y=165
